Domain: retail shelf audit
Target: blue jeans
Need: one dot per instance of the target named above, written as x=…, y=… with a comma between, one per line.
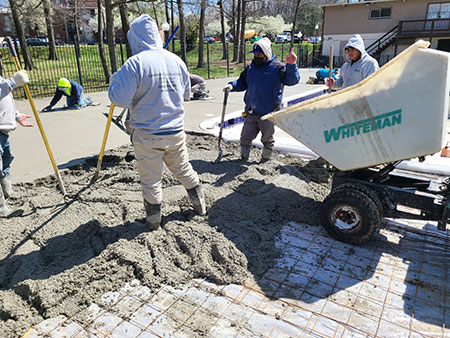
x=72, y=101
x=6, y=156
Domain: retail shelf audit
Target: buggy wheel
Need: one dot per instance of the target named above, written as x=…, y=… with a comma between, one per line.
x=364, y=189
x=350, y=216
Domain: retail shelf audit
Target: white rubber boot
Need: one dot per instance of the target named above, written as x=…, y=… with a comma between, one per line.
x=153, y=215
x=245, y=153
x=6, y=185
x=4, y=211
x=266, y=155
x=198, y=199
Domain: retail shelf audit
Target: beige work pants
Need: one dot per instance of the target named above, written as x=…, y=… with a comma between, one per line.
x=151, y=152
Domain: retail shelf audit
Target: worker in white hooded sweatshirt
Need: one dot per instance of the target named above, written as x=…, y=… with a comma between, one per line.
x=9, y=117
x=358, y=65
x=153, y=84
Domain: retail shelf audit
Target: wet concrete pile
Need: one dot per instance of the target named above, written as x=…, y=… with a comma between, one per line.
x=61, y=255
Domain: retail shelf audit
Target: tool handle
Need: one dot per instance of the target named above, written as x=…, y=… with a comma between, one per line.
x=331, y=69
x=171, y=37
x=11, y=47
x=38, y=120
x=225, y=100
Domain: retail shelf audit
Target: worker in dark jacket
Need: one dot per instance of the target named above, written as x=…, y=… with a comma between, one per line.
x=74, y=93
x=263, y=81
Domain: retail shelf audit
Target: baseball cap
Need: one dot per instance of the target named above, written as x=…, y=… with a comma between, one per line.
x=257, y=49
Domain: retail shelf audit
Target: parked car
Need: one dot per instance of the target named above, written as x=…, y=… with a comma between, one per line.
x=283, y=37
x=209, y=39
x=36, y=42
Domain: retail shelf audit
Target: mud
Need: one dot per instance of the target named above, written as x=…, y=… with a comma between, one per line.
x=61, y=255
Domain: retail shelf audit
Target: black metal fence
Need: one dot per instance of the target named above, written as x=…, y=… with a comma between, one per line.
x=82, y=63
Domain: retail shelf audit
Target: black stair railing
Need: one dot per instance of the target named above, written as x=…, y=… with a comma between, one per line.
x=382, y=42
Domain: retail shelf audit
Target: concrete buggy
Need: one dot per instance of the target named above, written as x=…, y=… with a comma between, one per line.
x=364, y=131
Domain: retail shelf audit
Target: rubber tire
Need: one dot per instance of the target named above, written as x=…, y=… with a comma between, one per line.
x=363, y=204
x=366, y=190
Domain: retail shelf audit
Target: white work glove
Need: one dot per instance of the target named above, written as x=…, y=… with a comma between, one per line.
x=228, y=88
x=19, y=79
x=329, y=81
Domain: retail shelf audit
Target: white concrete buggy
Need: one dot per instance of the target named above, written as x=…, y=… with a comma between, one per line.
x=364, y=131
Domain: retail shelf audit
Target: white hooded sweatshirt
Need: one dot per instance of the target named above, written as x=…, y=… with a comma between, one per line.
x=8, y=113
x=153, y=83
x=351, y=74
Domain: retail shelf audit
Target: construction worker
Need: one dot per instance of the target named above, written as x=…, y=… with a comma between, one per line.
x=358, y=65
x=198, y=87
x=263, y=81
x=74, y=93
x=8, y=118
x=153, y=84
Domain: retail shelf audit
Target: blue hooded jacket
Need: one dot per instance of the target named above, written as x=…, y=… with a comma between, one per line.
x=153, y=83
x=263, y=85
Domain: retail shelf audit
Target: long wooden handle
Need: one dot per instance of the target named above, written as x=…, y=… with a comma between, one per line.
x=105, y=138
x=36, y=116
x=331, y=69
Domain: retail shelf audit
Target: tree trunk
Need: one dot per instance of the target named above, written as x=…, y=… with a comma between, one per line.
x=52, y=53
x=237, y=17
x=21, y=35
x=125, y=26
x=201, y=35
x=101, y=46
x=166, y=10
x=223, y=34
x=182, y=32
x=242, y=46
x=110, y=35
x=294, y=22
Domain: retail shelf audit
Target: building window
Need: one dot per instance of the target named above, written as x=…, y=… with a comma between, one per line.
x=380, y=13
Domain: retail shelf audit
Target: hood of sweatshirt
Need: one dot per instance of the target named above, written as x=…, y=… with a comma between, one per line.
x=144, y=35
x=356, y=42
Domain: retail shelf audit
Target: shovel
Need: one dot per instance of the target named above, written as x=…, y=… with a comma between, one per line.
x=225, y=99
x=36, y=116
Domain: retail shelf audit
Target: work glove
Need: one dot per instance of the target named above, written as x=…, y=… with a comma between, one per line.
x=19, y=79
x=291, y=58
x=329, y=81
x=48, y=108
x=228, y=88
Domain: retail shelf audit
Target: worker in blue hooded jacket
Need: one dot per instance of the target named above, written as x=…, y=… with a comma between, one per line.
x=73, y=92
x=263, y=81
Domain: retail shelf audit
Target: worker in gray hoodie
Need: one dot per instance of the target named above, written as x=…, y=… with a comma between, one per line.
x=8, y=118
x=153, y=84
x=358, y=65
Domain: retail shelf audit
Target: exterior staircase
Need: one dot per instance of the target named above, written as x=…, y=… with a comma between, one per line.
x=376, y=48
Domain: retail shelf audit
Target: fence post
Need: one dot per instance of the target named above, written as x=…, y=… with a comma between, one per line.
x=207, y=59
x=228, y=60
x=282, y=51
x=77, y=54
x=121, y=51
